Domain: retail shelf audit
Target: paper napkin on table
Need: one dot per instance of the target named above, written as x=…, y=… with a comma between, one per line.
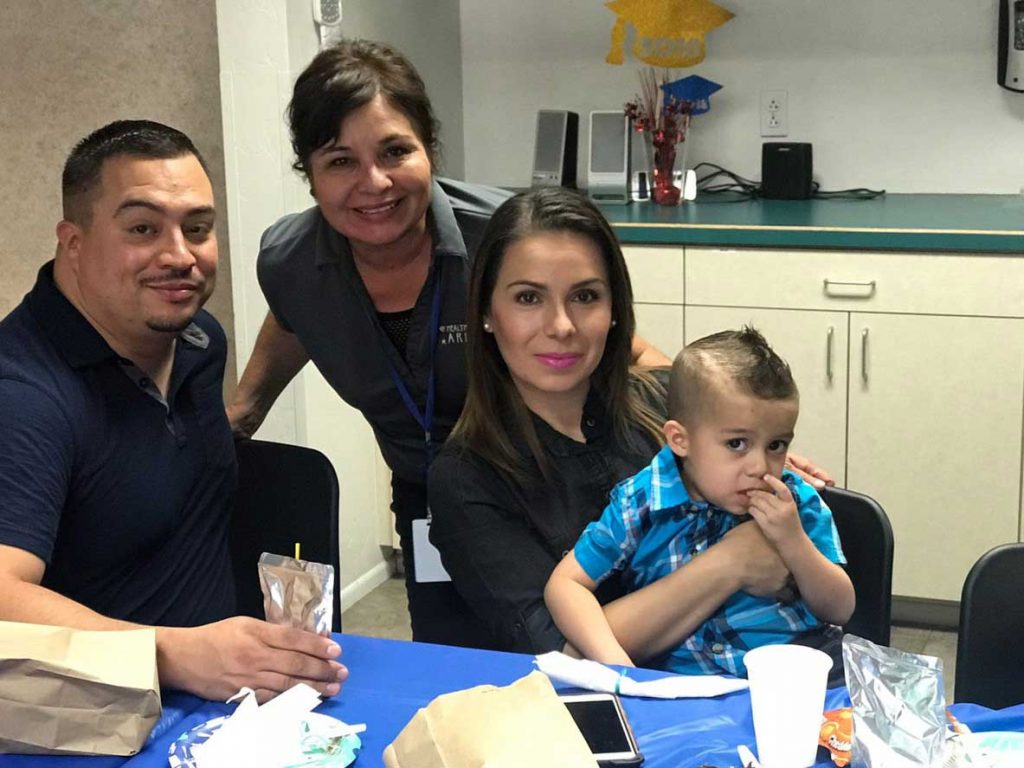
x=261, y=736
x=583, y=673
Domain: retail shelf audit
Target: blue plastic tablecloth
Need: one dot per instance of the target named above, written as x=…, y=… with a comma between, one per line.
x=390, y=679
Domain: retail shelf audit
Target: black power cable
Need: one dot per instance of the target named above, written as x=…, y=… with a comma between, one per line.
x=736, y=189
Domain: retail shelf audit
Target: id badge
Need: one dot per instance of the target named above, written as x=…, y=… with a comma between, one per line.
x=426, y=558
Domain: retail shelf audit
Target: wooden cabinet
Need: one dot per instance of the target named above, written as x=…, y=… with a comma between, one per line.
x=911, y=376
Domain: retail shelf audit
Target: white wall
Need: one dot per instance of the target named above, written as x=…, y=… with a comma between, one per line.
x=263, y=45
x=427, y=32
x=894, y=94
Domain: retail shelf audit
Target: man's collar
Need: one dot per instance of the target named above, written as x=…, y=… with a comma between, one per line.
x=77, y=341
x=195, y=336
x=331, y=246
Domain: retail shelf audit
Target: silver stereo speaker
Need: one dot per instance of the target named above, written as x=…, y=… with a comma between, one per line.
x=608, y=176
x=554, y=152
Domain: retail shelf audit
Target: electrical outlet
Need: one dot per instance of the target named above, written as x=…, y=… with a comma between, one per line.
x=774, y=113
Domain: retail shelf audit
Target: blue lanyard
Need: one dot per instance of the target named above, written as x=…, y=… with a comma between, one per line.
x=425, y=418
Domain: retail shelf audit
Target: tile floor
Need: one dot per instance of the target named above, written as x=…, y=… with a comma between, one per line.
x=383, y=613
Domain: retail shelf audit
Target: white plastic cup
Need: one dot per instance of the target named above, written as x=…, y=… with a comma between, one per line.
x=787, y=695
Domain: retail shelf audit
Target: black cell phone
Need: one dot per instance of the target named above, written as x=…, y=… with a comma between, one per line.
x=604, y=726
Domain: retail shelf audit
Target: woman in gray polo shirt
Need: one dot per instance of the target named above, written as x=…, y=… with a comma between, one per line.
x=370, y=284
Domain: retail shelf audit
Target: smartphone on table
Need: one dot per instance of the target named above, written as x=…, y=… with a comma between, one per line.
x=604, y=726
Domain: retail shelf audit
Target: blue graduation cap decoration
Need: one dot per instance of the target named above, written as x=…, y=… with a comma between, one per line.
x=694, y=89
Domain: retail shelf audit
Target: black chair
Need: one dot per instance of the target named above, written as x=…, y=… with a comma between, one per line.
x=990, y=641
x=286, y=494
x=867, y=540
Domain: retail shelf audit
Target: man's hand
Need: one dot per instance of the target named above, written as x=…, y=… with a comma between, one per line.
x=775, y=513
x=810, y=472
x=761, y=570
x=215, y=660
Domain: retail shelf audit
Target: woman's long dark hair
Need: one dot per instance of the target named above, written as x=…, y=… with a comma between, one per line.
x=494, y=411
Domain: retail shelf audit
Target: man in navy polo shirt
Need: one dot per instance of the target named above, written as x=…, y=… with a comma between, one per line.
x=117, y=467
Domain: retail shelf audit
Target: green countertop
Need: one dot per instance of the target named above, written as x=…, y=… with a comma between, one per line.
x=965, y=223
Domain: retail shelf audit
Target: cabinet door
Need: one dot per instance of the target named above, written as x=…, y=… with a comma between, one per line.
x=935, y=434
x=815, y=346
x=661, y=325
x=656, y=273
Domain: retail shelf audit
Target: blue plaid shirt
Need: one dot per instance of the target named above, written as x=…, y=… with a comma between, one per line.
x=652, y=527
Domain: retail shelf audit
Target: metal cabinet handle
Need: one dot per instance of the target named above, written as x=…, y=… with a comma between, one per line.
x=845, y=289
x=864, y=355
x=828, y=353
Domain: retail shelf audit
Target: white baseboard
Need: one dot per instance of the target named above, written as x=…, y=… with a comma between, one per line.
x=364, y=585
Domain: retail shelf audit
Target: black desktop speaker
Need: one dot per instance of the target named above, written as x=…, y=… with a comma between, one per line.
x=554, y=152
x=786, y=170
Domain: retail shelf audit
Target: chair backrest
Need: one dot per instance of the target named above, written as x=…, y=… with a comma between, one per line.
x=867, y=540
x=990, y=641
x=286, y=494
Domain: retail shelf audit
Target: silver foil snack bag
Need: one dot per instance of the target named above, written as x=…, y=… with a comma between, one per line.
x=297, y=593
x=899, y=707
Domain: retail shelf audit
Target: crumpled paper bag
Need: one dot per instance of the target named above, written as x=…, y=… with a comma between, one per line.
x=67, y=691
x=521, y=724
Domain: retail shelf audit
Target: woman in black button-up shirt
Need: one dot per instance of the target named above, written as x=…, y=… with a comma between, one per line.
x=554, y=418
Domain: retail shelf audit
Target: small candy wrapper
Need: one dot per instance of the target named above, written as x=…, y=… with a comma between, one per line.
x=837, y=735
x=297, y=593
x=899, y=707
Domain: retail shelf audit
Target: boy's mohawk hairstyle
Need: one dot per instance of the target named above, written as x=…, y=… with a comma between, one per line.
x=741, y=357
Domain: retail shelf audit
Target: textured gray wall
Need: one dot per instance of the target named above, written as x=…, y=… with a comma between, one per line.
x=70, y=66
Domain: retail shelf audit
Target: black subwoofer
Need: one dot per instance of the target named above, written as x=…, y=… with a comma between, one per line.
x=786, y=170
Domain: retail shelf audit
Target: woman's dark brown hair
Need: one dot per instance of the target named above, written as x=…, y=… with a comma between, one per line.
x=494, y=412
x=349, y=75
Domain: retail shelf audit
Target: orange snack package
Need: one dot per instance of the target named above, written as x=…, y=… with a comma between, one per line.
x=837, y=734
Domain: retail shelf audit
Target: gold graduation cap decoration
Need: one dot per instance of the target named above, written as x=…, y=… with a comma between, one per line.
x=668, y=33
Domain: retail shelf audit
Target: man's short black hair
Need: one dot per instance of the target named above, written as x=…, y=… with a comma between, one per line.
x=135, y=138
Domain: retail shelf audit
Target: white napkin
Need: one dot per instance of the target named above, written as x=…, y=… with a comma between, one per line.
x=583, y=673
x=260, y=736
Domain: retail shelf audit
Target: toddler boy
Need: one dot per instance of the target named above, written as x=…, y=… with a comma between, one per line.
x=732, y=406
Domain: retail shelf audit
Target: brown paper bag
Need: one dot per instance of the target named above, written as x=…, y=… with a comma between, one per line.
x=520, y=724
x=68, y=691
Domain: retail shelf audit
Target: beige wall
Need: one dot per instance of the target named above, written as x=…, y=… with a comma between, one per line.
x=70, y=66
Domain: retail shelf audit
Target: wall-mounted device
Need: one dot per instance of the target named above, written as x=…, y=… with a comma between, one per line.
x=608, y=176
x=786, y=170
x=1011, y=45
x=554, y=151
x=327, y=17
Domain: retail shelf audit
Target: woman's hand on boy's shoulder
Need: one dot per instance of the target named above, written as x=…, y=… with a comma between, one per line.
x=809, y=471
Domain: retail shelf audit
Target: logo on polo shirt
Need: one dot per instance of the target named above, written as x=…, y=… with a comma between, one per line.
x=452, y=334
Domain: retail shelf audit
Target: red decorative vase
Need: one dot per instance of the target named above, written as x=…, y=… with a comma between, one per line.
x=663, y=190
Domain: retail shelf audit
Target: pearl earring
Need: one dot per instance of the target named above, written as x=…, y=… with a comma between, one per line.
x=487, y=326
x=614, y=322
